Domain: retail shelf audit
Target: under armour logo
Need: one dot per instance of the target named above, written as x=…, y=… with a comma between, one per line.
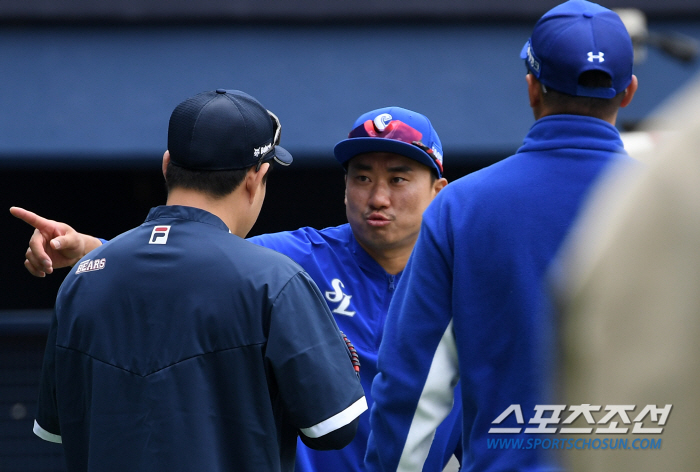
x=598, y=56
x=337, y=295
x=381, y=121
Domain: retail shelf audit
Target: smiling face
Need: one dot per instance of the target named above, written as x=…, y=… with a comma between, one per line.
x=385, y=196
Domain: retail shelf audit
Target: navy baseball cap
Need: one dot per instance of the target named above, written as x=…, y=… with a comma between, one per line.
x=575, y=37
x=224, y=130
x=393, y=129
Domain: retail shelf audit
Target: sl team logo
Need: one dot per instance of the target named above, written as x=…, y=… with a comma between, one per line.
x=337, y=296
x=159, y=235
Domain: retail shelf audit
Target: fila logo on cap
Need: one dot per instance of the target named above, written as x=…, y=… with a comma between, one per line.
x=159, y=235
x=599, y=56
x=381, y=121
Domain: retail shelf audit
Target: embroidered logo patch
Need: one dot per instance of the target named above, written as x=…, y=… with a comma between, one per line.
x=534, y=63
x=91, y=265
x=261, y=151
x=600, y=57
x=382, y=121
x=159, y=235
x=337, y=296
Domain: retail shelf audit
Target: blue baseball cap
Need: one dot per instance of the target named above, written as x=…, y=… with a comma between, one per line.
x=575, y=37
x=393, y=129
x=224, y=130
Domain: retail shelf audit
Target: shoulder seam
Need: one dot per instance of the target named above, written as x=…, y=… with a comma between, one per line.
x=157, y=370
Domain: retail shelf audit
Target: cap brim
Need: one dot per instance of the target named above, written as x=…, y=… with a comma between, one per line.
x=523, y=51
x=282, y=156
x=349, y=148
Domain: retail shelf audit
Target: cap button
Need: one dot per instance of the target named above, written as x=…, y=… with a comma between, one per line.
x=221, y=91
x=588, y=15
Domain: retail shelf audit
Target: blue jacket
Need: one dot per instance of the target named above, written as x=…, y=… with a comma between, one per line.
x=472, y=303
x=358, y=292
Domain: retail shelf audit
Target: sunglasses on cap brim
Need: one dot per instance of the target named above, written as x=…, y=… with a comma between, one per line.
x=277, y=129
x=398, y=131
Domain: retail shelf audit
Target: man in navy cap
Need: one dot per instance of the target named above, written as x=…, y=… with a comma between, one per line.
x=181, y=346
x=472, y=304
x=394, y=165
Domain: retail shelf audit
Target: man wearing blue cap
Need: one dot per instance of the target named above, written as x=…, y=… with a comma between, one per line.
x=472, y=304
x=181, y=346
x=393, y=161
x=393, y=158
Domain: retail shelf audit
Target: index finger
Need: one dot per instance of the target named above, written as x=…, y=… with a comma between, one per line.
x=31, y=218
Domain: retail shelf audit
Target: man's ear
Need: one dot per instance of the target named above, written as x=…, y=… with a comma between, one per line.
x=345, y=196
x=629, y=91
x=439, y=184
x=534, y=91
x=166, y=161
x=254, y=180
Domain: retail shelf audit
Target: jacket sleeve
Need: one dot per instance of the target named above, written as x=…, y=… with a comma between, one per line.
x=312, y=366
x=417, y=364
x=46, y=424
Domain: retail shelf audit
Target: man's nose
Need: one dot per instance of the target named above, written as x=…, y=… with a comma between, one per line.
x=380, y=196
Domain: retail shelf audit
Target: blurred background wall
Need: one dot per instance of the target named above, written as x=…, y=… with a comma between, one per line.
x=87, y=87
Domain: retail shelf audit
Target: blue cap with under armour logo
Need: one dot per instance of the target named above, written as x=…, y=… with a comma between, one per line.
x=575, y=37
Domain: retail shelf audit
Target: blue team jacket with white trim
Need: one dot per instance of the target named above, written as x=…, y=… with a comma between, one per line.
x=472, y=303
x=358, y=292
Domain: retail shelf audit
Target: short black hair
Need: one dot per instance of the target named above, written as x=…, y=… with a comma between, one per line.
x=215, y=183
x=602, y=108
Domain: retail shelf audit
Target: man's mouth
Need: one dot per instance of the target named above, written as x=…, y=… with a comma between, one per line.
x=377, y=220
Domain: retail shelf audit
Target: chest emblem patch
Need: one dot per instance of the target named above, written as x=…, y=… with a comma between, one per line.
x=337, y=296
